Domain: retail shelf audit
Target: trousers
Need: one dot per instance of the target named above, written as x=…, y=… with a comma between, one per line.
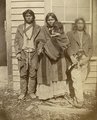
x=28, y=69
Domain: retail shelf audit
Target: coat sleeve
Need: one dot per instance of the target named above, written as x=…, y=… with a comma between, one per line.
x=70, y=50
x=90, y=48
x=41, y=39
x=16, y=42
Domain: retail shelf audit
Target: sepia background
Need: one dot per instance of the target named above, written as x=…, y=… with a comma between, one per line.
x=66, y=10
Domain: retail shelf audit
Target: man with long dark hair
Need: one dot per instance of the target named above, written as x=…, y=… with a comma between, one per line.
x=80, y=53
x=26, y=53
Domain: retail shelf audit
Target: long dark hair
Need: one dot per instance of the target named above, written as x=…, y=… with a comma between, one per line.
x=74, y=26
x=30, y=12
x=52, y=15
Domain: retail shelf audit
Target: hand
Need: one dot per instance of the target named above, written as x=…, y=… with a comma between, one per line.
x=74, y=60
x=84, y=61
x=40, y=51
x=18, y=56
x=55, y=34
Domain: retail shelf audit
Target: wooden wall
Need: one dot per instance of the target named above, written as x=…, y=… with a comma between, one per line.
x=91, y=82
x=40, y=7
x=17, y=8
x=95, y=26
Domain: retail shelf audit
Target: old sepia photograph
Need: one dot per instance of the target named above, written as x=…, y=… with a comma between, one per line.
x=48, y=59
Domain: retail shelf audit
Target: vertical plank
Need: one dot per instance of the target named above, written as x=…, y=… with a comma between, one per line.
x=94, y=27
x=8, y=41
x=47, y=6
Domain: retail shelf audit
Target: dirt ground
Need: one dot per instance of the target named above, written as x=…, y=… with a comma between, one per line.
x=55, y=109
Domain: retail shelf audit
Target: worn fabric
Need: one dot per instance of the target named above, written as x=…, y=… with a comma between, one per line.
x=29, y=59
x=19, y=42
x=87, y=47
x=27, y=68
x=55, y=89
x=80, y=38
x=79, y=76
x=28, y=37
x=19, y=38
x=50, y=71
x=55, y=47
x=79, y=41
x=27, y=85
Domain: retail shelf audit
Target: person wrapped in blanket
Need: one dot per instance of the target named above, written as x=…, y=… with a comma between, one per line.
x=56, y=37
x=51, y=75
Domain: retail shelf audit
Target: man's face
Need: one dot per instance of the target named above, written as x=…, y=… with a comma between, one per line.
x=50, y=21
x=80, y=25
x=29, y=18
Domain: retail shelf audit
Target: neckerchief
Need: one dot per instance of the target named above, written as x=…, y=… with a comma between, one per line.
x=26, y=29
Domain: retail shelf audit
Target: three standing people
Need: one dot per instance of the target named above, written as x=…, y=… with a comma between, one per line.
x=80, y=52
x=41, y=55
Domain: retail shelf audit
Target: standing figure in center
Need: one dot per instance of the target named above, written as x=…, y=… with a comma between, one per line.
x=51, y=75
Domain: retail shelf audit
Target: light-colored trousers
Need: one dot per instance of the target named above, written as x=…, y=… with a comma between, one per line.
x=79, y=76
